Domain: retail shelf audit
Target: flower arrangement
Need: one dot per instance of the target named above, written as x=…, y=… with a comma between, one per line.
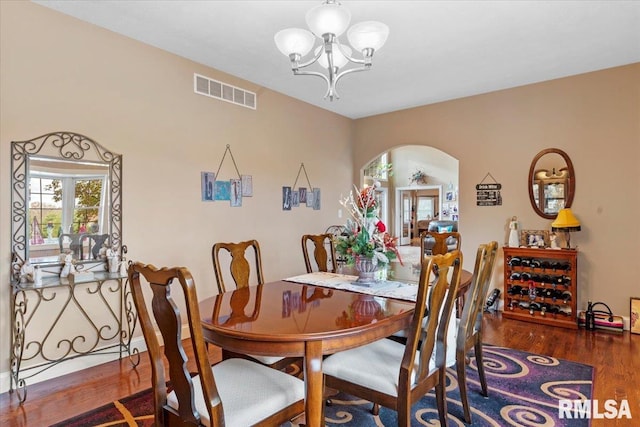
x=418, y=177
x=365, y=234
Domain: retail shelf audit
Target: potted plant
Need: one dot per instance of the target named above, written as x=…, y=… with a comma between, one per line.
x=418, y=177
x=366, y=244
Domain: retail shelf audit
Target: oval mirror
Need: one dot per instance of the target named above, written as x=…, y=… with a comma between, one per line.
x=551, y=182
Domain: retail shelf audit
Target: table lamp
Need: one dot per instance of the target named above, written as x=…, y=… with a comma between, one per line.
x=567, y=222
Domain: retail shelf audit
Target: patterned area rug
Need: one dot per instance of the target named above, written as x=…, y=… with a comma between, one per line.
x=524, y=390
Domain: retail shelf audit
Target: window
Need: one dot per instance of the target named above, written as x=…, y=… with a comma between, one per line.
x=65, y=204
x=426, y=207
x=379, y=168
x=45, y=213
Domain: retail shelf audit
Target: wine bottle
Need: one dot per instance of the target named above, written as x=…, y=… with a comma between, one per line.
x=554, y=309
x=514, y=290
x=589, y=317
x=515, y=261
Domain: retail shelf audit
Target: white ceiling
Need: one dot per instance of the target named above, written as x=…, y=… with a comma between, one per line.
x=436, y=51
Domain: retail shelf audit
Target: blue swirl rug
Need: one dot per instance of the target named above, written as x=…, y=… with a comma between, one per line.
x=524, y=390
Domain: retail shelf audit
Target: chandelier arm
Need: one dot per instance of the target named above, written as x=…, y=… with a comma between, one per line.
x=312, y=73
x=330, y=86
x=351, y=58
x=312, y=60
x=366, y=67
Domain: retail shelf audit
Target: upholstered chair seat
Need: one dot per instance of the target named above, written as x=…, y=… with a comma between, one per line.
x=379, y=364
x=248, y=391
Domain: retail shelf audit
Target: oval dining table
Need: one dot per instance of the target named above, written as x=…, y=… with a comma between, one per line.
x=285, y=318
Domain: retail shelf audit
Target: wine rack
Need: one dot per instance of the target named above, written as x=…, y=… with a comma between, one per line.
x=540, y=286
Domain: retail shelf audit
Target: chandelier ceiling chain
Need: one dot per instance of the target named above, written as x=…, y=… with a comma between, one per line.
x=327, y=22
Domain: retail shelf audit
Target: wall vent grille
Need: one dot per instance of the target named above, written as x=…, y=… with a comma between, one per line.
x=214, y=89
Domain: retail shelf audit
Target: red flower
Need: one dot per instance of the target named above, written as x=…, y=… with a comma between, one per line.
x=381, y=227
x=367, y=200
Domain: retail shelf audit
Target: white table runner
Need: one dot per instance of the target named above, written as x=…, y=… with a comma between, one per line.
x=382, y=288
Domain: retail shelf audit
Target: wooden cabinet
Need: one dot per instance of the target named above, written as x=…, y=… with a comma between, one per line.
x=540, y=286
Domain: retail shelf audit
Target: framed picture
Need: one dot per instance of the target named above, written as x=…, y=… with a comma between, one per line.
x=286, y=198
x=222, y=190
x=235, y=196
x=206, y=184
x=316, y=199
x=634, y=316
x=534, y=238
x=247, y=185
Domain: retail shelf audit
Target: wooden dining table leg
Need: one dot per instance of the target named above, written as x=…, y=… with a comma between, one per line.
x=314, y=383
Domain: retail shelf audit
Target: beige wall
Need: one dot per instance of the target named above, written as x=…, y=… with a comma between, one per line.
x=594, y=117
x=58, y=73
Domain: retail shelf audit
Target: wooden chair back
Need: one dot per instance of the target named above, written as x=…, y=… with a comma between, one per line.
x=168, y=320
x=439, y=281
x=434, y=243
x=74, y=245
x=239, y=265
x=324, y=252
x=469, y=334
x=96, y=241
x=471, y=318
x=337, y=231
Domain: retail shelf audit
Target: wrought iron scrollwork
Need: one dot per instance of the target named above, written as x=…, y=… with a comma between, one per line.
x=60, y=319
x=110, y=333
x=67, y=146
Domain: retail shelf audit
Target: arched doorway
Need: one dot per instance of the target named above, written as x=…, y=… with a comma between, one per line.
x=407, y=201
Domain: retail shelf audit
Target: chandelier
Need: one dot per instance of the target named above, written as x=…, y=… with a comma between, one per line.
x=327, y=22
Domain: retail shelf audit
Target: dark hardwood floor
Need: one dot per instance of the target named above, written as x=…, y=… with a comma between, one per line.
x=616, y=359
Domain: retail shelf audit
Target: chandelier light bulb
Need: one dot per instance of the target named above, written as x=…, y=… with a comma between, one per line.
x=328, y=18
x=368, y=35
x=339, y=60
x=294, y=40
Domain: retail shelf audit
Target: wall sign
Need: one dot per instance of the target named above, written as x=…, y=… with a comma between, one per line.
x=488, y=194
x=308, y=196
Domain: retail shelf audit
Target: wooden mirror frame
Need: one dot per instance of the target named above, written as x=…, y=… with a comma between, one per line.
x=571, y=181
x=67, y=146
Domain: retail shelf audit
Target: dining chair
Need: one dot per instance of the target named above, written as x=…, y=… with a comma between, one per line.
x=397, y=375
x=234, y=392
x=337, y=231
x=469, y=332
x=239, y=265
x=95, y=243
x=71, y=242
x=240, y=270
x=324, y=252
x=436, y=243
